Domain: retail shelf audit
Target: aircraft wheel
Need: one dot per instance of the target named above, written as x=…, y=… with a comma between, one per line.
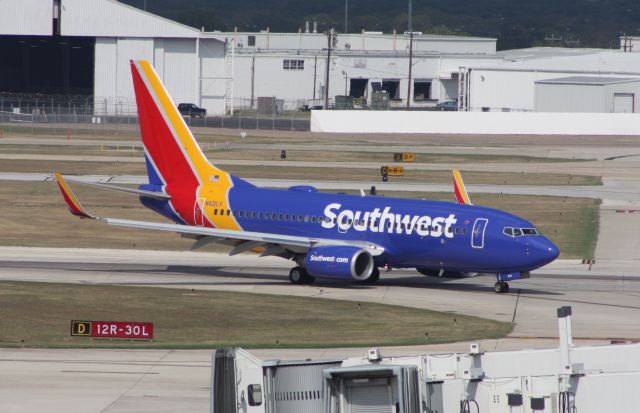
x=296, y=275
x=299, y=275
x=373, y=278
x=501, y=287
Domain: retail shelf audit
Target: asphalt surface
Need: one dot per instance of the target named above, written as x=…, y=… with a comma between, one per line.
x=609, y=291
x=605, y=297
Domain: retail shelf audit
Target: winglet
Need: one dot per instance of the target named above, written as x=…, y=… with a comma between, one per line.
x=459, y=188
x=72, y=202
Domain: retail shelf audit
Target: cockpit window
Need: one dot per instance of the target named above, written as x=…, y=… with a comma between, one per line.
x=519, y=232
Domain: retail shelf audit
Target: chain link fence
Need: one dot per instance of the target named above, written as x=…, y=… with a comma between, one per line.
x=51, y=113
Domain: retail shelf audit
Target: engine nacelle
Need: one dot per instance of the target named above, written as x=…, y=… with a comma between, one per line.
x=430, y=272
x=339, y=262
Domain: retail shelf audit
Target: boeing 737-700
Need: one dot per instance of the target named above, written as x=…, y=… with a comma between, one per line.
x=326, y=235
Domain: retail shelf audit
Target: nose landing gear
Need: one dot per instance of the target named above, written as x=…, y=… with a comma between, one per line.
x=501, y=287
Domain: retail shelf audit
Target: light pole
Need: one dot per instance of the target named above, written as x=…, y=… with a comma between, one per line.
x=326, y=83
x=410, y=55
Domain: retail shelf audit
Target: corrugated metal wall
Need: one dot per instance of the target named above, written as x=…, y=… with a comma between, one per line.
x=299, y=388
x=174, y=60
x=26, y=17
x=212, y=69
x=551, y=97
x=180, y=69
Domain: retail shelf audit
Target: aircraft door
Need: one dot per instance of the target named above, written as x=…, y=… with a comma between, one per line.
x=477, y=236
x=198, y=214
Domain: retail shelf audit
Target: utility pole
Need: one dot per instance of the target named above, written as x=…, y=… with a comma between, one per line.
x=410, y=55
x=253, y=78
x=315, y=75
x=326, y=82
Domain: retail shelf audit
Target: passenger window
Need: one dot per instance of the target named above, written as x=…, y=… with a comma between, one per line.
x=457, y=231
x=253, y=214
x=240, y=214
x=286, y=217
x=464, y=231
x=313, y=219
x=215, y=211
x=279, y=217
x=228, y=212
x=306, y=218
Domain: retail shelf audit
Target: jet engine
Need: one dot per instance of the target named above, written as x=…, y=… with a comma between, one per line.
x=342, y=262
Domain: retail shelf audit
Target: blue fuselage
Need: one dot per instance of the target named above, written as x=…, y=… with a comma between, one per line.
x=414, y=233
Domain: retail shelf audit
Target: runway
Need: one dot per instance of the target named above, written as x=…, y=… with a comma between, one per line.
x=606, y=300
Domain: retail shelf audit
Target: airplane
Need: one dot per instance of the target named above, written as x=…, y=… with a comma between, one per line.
x=327, y=235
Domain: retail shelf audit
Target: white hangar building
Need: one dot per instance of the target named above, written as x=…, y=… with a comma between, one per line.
x=552, y=80
x=62, y=47
x=83, y=47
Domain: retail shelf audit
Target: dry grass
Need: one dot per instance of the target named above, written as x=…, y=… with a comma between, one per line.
x=301, y=173
x=39, y=315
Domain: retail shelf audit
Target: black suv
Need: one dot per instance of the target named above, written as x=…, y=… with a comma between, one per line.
x=189, y=109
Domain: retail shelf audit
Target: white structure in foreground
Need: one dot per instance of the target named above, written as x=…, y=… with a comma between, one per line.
x=566, y=379
x=490, y=123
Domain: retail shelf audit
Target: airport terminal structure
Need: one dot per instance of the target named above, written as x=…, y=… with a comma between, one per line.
x=92, y=41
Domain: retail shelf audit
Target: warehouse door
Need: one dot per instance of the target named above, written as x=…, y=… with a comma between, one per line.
x=374, y=399
x=623, y=103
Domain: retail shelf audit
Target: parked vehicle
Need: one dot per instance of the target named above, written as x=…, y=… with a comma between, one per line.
x=191, y=110
x=447, y=105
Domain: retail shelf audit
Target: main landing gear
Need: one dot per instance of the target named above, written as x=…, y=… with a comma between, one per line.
x=501, y=287
x=299, y=275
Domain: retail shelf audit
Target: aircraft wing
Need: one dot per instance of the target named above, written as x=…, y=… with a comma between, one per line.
x=270, y=243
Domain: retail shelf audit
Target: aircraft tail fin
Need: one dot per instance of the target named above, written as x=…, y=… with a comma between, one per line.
x=172, y=154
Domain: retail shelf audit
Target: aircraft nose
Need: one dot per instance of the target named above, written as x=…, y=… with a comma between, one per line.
x=543, y=251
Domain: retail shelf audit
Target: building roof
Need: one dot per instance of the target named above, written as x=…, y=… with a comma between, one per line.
x=587, y=80
x=109, y=18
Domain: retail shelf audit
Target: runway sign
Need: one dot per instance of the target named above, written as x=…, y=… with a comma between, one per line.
x=404, y=157
x=81, y=328
x=392, y=170
x=112, y=329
